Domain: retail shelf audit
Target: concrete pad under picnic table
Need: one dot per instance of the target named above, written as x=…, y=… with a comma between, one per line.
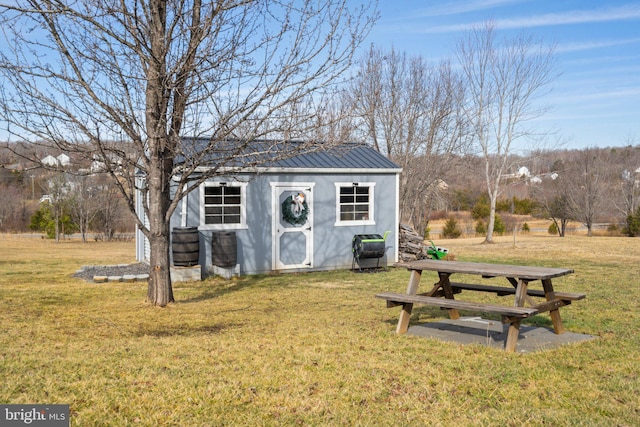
x=492, y=333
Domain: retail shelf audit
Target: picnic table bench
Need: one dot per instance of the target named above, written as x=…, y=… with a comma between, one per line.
x=442, y=293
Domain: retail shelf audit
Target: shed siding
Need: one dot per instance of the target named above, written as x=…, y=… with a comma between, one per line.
x=331, y=243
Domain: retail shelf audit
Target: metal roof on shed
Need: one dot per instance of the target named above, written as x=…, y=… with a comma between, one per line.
x=346, y=157
x=268, y=154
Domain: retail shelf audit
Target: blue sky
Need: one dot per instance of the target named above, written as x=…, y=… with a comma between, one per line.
x=596, y=99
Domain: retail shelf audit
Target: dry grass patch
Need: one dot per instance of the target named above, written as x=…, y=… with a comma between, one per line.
x=307, y=349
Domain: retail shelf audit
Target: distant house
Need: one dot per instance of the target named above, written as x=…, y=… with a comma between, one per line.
x=523, y=172
x=538, y=179
x=49, y=161
x=98, y=164
x=61, y=160
x=535, y=180
x=296, y=214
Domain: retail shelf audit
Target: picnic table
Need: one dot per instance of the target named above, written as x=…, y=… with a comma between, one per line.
x=443, y=291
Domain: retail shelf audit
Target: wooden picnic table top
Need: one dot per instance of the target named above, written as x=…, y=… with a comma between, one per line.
x=487, y=269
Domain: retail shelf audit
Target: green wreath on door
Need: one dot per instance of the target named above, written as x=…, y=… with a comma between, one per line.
x=295, y=209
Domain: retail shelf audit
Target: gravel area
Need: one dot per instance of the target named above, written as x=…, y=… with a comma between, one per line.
x=89, y=271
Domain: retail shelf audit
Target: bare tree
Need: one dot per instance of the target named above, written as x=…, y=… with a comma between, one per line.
x=130, y=79
x=12, y=202
x=504, y=80
x=83, y=205
x=552, y=197
x=410, y=110
x=108, y=215
x=590, y=184
x=628, y=166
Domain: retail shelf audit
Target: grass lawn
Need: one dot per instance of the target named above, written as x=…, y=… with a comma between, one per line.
x=310, y=349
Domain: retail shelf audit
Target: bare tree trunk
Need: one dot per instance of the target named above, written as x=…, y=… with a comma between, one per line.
x=57, y=224
x=492, y=220
x=160, y=291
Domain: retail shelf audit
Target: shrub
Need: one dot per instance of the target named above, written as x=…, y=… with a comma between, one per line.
x=632, y=228
x=43, y=220
x=613, y=230
x=516, y=206
x=480, y=210
x=553, y=228
x=525, y=228
x=451, y=229
x=498, y=225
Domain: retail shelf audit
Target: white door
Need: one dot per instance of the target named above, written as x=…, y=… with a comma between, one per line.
x=292, y=212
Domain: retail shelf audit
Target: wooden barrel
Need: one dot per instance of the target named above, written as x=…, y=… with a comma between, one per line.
x=185, y=246
x=224, y=249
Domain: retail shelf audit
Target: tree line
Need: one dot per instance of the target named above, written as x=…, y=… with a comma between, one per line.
x=589, y=186
x=60, y=203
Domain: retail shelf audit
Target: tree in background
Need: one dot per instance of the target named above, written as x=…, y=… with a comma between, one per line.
x=56, y=219
x=628, y=165
x=410, y=110
x=451, y=229
x=83, y=204
x=504, y=81
x=590, y=183
x=110, y=213
x=12, y=206
x=552, y=197
x=127, y=81
x=632, y=226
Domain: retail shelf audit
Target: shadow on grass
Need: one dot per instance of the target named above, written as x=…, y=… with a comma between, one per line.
x=178, y=330
x=541, y=320
x=212, y=289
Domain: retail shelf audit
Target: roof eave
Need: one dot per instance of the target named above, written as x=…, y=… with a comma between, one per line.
x=202, y=169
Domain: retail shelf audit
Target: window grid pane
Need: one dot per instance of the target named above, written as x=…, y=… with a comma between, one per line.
x=222, y=205
x=354, y=203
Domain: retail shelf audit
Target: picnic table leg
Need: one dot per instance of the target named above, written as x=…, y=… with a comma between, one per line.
x=555, y=314
x=448, y=293
x=514, y=323
x=512, y=335
x=527, y=298
x=405, y=314
x=521, y=293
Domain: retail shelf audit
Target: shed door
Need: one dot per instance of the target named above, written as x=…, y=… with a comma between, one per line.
x=292, y=225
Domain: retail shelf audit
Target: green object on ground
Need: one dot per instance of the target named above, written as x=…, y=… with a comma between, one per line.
x=436, y=252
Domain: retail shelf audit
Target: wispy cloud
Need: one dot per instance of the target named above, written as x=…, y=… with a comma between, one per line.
x=622, y=13
x=576, y=47
x=459, y=7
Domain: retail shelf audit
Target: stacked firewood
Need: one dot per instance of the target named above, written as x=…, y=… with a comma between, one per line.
x=411, y=244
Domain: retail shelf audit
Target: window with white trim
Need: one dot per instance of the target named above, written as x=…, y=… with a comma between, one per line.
x=354, y=203
x=223, y=205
